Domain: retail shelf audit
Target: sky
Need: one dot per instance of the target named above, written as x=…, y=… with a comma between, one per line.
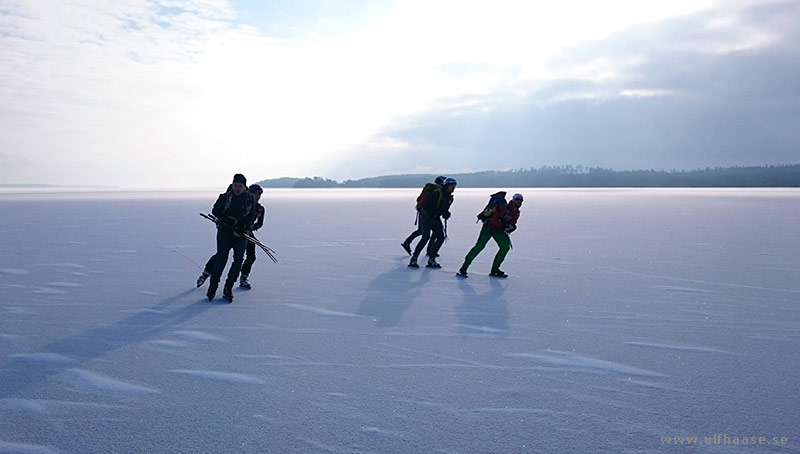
x=184, y=93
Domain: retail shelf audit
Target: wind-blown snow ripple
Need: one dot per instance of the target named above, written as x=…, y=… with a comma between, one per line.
x=108, y=384
x=556, y=358
x=229, y=377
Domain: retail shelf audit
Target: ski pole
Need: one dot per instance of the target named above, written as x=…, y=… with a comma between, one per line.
x=270, y=253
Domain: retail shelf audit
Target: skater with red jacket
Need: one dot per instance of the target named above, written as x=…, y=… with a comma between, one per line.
x=499, y=220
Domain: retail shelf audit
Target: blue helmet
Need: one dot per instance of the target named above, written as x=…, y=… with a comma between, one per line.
x=450, y=181
x=440, y=179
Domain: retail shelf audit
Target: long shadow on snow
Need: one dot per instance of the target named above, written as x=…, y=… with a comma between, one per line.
x=20, y=373
x=392, y=293
x=483, y=313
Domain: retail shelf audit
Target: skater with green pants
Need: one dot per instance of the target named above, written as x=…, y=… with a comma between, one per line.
x=499, y=220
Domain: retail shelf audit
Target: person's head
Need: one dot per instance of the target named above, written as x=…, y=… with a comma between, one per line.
x=450, y=184
x=440, y=180
x=517, y=199
x=256, y=190
x=239, y=184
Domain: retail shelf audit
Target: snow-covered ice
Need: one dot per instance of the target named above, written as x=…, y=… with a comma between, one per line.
x=629, y=316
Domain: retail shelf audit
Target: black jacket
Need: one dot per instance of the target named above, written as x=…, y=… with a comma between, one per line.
x=235, y=212
x=438, y=204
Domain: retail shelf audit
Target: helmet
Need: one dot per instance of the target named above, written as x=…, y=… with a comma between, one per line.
x=450, y=181
x=440, y=179
x=256, y=188
x=517, y=196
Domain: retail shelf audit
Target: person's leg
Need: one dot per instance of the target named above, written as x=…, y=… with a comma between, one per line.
x=504, y=242
x=437, y=239
x=224, y=243
x=238, y=244
x=250, y=258
x=406, y=244
x=483, y=238
x=209, y=265
x=207, y=270
x=425, y=226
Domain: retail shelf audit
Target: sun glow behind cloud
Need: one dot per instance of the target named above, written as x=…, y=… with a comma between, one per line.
x=179, y=93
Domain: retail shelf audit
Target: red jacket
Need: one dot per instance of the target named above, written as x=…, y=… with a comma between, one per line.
x=502, y=216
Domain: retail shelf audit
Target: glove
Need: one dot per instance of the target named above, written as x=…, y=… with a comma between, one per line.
x=446, y=215
x=509, y=228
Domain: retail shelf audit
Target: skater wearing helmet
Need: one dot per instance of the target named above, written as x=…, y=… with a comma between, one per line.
x=427, y=190
x=499, y=220
x=436, y=207
x=250, y=250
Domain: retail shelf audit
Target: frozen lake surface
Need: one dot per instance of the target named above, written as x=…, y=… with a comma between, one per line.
x=629, y=316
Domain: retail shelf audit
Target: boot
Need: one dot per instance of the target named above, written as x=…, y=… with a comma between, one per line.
x=497, y=272
x=202, y=279
x=432, y=263
x=462, y=272
x=244, y=283
x=413, y=263
x=406, y=247
x=227, y=293
x=212, y=291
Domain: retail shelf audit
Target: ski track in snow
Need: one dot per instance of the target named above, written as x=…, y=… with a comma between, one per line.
x=53, y=407
x=63, y=284
x=169, y=343
x=48, y=291
x=18, y=310
x=7, y=447
x=199, y=336
x=573, y=361
x=319, y=311
x=44, y=358
x=107, y=385
x=61, y=265
x=16, y=271
x=228, y=377
x=677, y=347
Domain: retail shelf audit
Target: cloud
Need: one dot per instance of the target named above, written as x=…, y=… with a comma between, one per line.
x=188, y=92
x=713, y=88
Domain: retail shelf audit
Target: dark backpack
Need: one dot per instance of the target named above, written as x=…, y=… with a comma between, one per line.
x=495, y=200
x=427, y=190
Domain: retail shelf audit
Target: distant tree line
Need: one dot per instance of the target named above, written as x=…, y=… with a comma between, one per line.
x=576, y=177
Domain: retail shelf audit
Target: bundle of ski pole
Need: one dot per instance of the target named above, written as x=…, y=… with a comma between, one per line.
x=249, y=236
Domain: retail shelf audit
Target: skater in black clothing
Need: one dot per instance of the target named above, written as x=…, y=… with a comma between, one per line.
x=427, y=190
x=236, y=211
x=250, y=249
x=436, y=208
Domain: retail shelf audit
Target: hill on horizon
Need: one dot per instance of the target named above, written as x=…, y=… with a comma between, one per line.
x=783, y=175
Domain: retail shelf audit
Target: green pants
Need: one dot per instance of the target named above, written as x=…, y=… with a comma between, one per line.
x=502, y=240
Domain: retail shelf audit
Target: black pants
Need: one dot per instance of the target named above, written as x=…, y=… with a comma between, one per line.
x=226, y=241
x=426, y=225
x=249, y=259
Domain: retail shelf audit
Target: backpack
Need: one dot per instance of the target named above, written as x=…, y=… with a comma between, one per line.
x=495, y=200
x=424, y=194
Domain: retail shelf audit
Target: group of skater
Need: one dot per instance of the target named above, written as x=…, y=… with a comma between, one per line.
x=238, y=214
x=498, y=219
